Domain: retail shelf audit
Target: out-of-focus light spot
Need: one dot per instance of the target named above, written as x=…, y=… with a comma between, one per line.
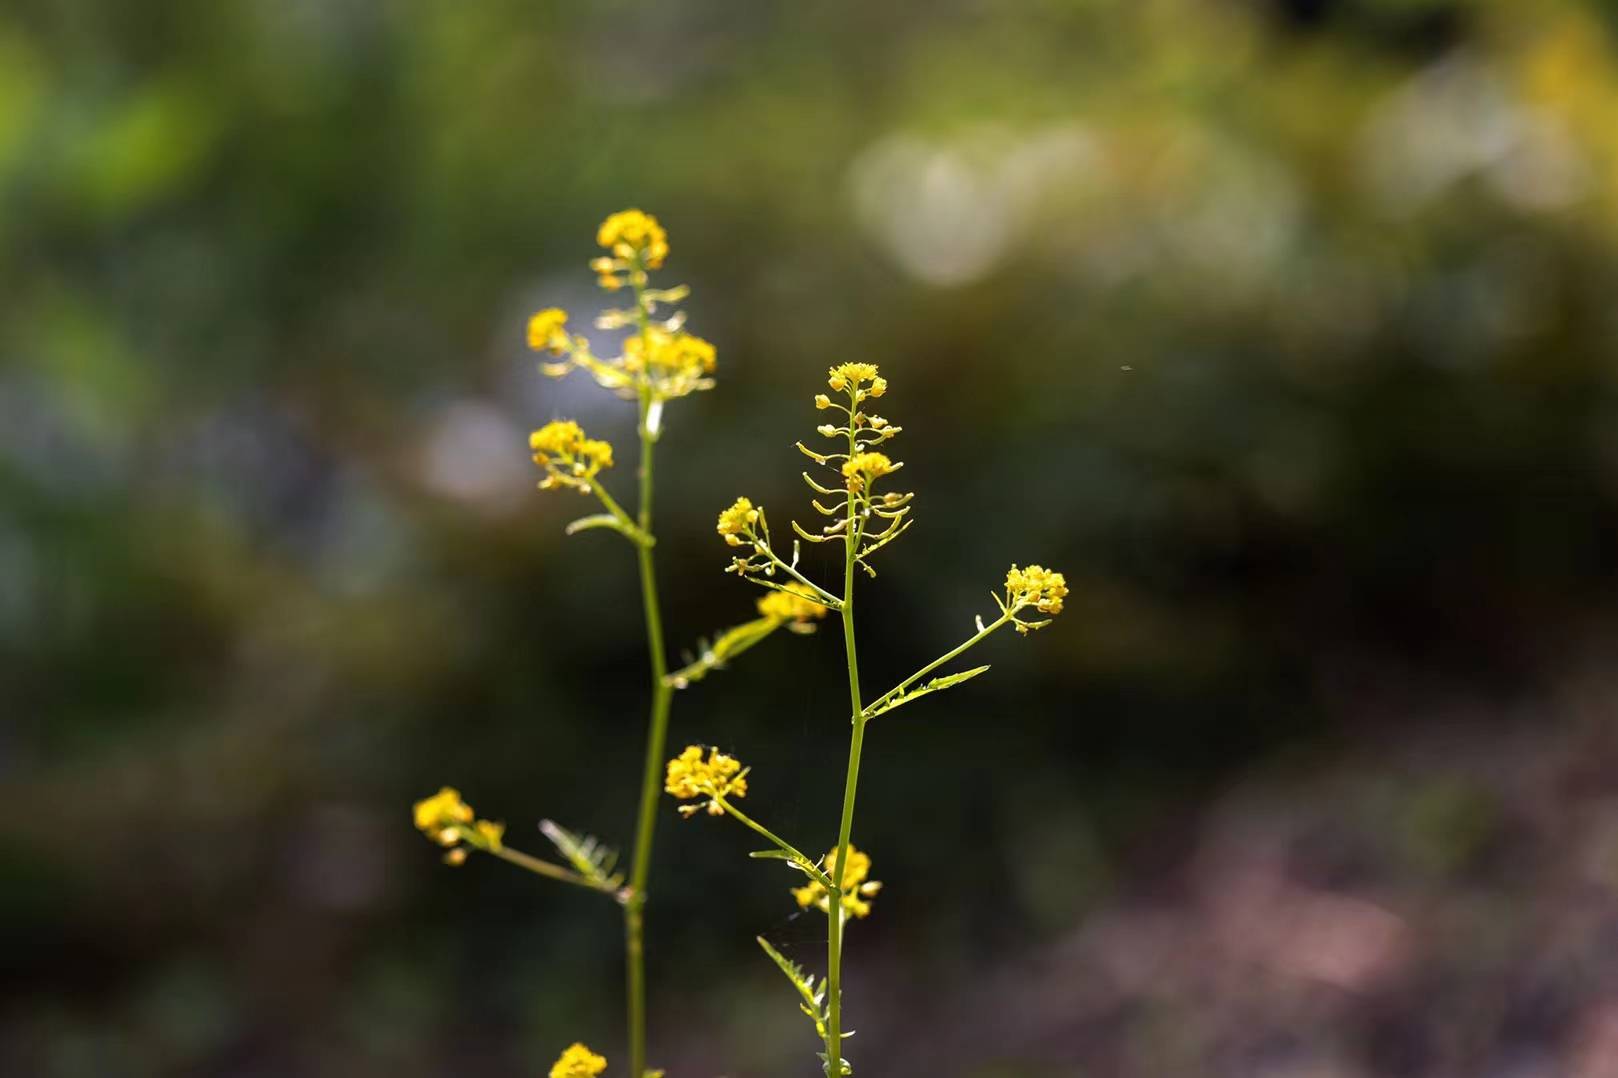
x=1264, y=917
x=475, y=454
x=948, y=212
x=1456, y=119
x=1544, y=170
x=1239, y=217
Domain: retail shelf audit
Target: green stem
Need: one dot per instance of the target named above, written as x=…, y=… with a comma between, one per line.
x=731, y=643
x=834, y=914
x=635, y=532
x=786, y=847
x=542, y=868
x=821, y=594
x=656, y=737
x=976, y=638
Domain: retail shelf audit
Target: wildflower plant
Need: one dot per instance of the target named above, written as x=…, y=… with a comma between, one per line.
x=658, y=362
x=861, y=511
x=858, y=508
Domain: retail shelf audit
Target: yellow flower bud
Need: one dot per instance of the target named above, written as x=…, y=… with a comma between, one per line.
x=737, y=521
x=690, y=776
x=545, y=331
x=578, y=1062
x=629, y=233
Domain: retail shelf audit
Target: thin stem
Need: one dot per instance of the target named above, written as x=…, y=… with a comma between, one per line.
x=834, y=907
x=542, y=868
x=731, y=643
x=657, y=736
x=824, y=596
x=770, y=836
x=634, y=531
x=982, y=634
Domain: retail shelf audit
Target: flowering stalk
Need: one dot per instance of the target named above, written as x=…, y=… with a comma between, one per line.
x=659, y=363
x=856, y=742
x=865, y=522
x=657, y=728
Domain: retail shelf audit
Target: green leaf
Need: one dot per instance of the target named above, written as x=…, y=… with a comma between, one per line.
x=730, y=643
x=586, y=854
x=813, y=1004
x=607, y=520
x=936, y=684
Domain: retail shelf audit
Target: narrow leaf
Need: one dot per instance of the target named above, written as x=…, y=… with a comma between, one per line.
x=586, y=854
x=935, y=685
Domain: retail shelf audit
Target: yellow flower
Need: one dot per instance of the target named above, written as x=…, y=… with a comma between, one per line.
x=448, y=821
x=855, y=887
x=578, y=1062
x=676, y=362
x=606, y=270
x=545, y=331
x=690, y=776
x=631, y=232
x=861, y=468
x=847, y=374
x=440, y=816
x=822, y=401
x=737, y=521
x=794, y=604
x=1037, y=587
x=568, y=457
x=556, y=437
x=660, y=361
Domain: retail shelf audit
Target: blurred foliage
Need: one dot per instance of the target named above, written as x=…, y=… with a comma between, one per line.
x=1284, y=328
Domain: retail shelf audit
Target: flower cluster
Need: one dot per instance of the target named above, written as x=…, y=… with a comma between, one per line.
x=578, y=1062
x=859, y=516
x=635, y=239
x=855, y=887
x=677, y=362
x=1035, y=587
x=546, y=332
x=863, y=468
x=568, y=457
x=447, y=820
x=691, y=776
x=852, y=376
x=736, y=523
x=659, y=362
x=792, y=603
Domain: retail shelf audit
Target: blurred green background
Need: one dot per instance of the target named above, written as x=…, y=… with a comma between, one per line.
x=1286, y=328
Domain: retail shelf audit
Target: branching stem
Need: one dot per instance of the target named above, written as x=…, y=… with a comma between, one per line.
x=834, y=907
x=543, y=868
x=657, y=733
x=982, y=634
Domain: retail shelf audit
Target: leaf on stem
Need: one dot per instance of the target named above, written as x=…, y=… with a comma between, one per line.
x=586, y=854
x=814, y=999
x=936, y=684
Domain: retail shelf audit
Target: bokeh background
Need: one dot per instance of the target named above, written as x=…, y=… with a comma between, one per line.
x=1284, y=327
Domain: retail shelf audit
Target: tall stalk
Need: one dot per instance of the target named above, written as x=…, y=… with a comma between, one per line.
x=834, y=915
x=656, y=737
x=866, y=522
